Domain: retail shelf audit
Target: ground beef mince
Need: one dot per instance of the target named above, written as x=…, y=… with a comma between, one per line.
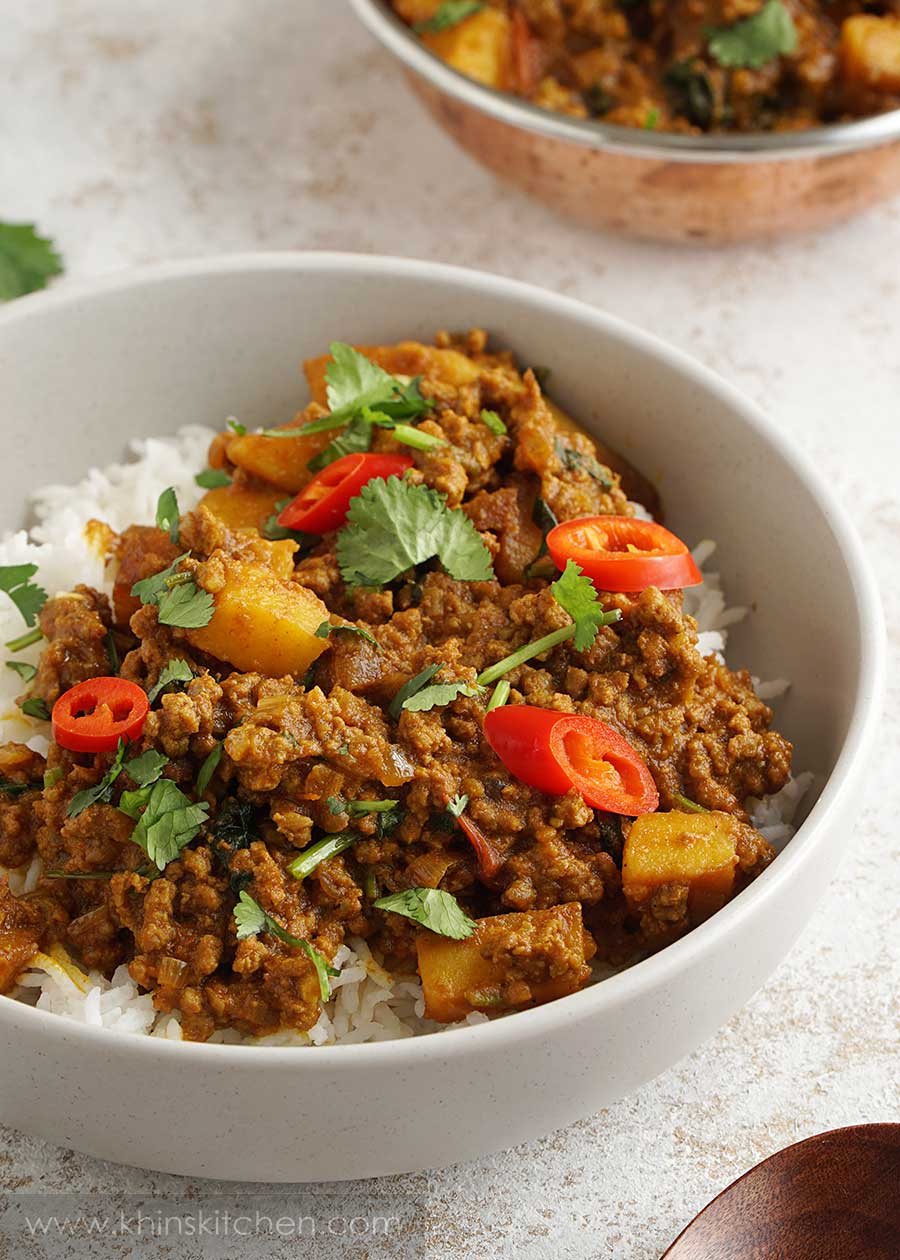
x=282, y=759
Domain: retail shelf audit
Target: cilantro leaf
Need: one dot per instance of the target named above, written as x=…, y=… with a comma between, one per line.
x=438, y=695
x=321, y=851
x=27, y=596
x=175, y=671
x=208, y=769
x=146, y=768
x=169, y=822
x=449, y=13
x=26, y=672
x=755, y=40
x=236, y=824
x=186, y=605
x=436, y=910
x=576, y=461
x=212, y=478
x=410, y=687
x=393, y=525
x=36, y=707
x=354, y=382
x=102, y=791
x=12, y=788
x=251, y=919
x=577, y=595
x=235, y=426
x=355, y=438
x=493, y=421
x=457, y=805
x=167, y=512
x=27, y=261
x=150, y=590
x=326, y=629
x=53, y=776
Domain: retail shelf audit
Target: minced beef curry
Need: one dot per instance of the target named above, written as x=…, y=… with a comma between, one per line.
x=273, y=738
x=676, y=65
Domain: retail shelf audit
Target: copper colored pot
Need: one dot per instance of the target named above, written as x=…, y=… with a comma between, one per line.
x=716, y=189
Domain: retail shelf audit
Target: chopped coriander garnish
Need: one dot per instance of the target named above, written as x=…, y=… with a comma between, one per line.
x=651, y=122
x=576, y=461
x=54, y=776
x=208, y=769
x=36, y=708
x=27, y=261
x=689, y=806
x=410, y=687
x=499, y=695
x=755, y=40
x=251, y=919
x=343, y=750
x=408, y=435
x=112, y=652
x=438, y=695
x=179, y=600
x=577, y=595
x=275, y=532
x=355, y=439
x=448, y=13
x=393, y=525
x=235, y=426
x=101, y=791
x=25, y=671
x=28, y=597
x=236, y=824
x=167, y=514
x=358, y=809
x=321, y=851
x=326, y=629
x=436, y=910
x=212, y=478
x=26, y=640
x=493, y=421
x=170, y=821
x=457, y=805
x=12, y=788
x=146, y=768
x=176, y=671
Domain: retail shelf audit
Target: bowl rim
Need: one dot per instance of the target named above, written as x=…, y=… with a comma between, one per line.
x=723, y=148
x=606, y=996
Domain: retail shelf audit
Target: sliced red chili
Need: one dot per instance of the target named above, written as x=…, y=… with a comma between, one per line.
x=489, y=858
x=556, y=752
x=621, y=553
x=94, y=715
x=321, y=506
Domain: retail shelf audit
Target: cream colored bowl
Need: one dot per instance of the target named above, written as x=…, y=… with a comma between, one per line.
x=89, y=367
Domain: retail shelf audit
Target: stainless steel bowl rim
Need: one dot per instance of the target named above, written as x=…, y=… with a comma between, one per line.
x=724, y=148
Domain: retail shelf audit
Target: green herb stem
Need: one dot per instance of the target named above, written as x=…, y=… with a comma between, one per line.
x=499, y=696
x=689, y=806
x=26, y=640
x=526, y=653
x=321, y=851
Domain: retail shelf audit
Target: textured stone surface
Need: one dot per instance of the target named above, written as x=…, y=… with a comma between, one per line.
x=148, y=131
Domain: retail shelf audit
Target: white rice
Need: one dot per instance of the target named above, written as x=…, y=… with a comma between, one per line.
x=368, y=1003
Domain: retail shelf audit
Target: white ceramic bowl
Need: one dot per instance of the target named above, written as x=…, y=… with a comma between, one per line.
x=87, y=368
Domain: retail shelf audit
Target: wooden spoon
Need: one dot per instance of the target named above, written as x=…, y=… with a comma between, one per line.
x=833, y=1197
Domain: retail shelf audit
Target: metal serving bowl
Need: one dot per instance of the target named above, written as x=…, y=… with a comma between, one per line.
x=715, y=189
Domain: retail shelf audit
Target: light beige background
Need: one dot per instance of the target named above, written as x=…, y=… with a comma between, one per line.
x=149, y=131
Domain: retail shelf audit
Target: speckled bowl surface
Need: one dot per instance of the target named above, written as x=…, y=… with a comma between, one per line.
x=713, y=189
x=89, y=367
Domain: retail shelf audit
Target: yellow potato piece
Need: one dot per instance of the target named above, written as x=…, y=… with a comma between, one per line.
x=261, y=623
x=680, y=848
x=281, y=461
x=457, y=979
x=480, y=47
x=239, y=507
x=870, y=52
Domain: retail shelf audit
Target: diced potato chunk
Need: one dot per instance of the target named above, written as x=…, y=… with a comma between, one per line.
x=870, y=52
x=407, y=358
x=260, y=623
x=511, y=961
x=697, y=850
x=239, y=507
x=280, y=461
x=480, y=47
